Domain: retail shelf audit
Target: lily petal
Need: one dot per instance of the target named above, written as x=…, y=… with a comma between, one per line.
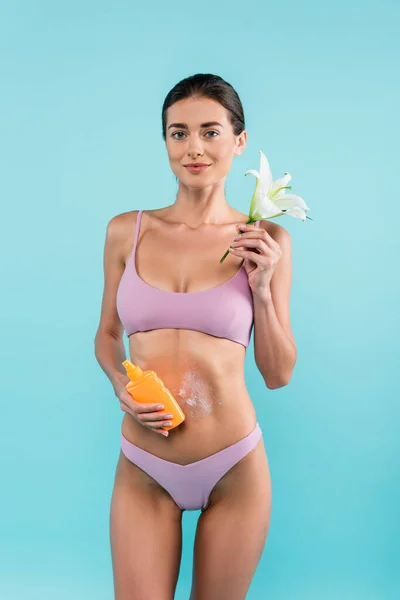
x=265, y=172
x=253, y=172
x=296, y=212
x=289, y=201
x=266, y=208
x=279, y=183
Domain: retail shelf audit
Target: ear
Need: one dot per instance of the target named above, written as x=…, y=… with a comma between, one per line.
x=241, y=141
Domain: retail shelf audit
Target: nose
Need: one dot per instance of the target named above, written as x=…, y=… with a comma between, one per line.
x=195, y=149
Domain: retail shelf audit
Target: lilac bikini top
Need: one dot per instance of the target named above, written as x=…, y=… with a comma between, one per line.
x=225, y=311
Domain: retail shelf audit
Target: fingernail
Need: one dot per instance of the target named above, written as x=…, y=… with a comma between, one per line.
x=160, y=407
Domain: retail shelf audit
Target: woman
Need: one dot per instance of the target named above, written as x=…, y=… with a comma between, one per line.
x=189, y=318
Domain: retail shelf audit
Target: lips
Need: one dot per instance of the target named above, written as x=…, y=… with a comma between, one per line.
x=196, y=168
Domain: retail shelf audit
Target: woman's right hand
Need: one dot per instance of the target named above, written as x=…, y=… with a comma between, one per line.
x=148, y=415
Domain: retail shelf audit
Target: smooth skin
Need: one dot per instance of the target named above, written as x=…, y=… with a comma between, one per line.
x=145, y=523
x=146, y=533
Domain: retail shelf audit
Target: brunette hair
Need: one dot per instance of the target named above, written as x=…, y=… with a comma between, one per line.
x=206, y=85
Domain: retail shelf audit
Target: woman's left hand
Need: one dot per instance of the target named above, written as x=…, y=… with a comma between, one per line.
x=261, y=254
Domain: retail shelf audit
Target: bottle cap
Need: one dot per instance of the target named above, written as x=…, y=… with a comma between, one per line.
x=133, y=371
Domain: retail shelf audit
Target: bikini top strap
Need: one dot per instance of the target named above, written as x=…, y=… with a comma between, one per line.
x=137, y=229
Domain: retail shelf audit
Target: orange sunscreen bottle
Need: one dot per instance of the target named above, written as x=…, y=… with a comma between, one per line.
x=147, y=387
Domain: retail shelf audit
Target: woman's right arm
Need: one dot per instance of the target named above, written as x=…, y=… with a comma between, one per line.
x=109, y=345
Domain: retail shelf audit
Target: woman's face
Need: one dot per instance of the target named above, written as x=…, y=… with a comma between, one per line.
x=188, y=140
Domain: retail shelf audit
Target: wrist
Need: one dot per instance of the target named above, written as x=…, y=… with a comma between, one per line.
x=264, y=294
x=119, y=381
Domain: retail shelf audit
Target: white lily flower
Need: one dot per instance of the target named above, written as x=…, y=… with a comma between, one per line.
x=270, y=199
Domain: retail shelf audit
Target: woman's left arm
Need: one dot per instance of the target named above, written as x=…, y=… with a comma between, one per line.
x=268, y=262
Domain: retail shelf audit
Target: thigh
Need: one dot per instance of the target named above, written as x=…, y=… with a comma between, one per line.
x=232, y=531
x=145, y=536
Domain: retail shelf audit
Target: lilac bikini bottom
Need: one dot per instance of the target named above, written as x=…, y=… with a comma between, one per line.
x=190, y=485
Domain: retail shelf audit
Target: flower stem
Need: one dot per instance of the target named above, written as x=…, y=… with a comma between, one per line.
x=224, y=257
x=249, y=222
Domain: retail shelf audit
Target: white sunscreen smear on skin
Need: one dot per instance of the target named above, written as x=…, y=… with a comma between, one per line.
x=195, y=392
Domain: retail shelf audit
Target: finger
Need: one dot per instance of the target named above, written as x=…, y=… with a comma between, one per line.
x=160, y=416
x=254, y=256
x=159, y=431
x=256, y=243
x=148, y=420
x=257, y=233
x=247, y=227
x=157, y=424
x=143, y=407
x=149, y=408
x=141, y=410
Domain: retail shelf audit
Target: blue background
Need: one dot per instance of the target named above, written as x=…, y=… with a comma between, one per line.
x=82, y=89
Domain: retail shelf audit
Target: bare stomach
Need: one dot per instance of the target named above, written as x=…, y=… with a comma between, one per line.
x=205, y=374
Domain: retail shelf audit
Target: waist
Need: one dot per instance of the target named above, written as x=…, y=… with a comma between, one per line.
x=206, y=377
x=183, y=358
x=211, y=424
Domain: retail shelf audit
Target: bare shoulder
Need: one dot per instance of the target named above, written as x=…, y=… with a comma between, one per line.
x=119, y=223
x=119, y=233
x=278, y=233
x=121, y=229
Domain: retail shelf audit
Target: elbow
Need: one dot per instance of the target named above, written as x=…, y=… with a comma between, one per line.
x=277, y=382
x=283, y=374
x=102, y=339
x=103, y=332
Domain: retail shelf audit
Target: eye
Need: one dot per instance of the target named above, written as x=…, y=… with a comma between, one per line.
x=177, y=132
x=183, y=133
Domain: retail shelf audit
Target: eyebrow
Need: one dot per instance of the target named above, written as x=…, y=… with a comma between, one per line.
x=184, y=126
